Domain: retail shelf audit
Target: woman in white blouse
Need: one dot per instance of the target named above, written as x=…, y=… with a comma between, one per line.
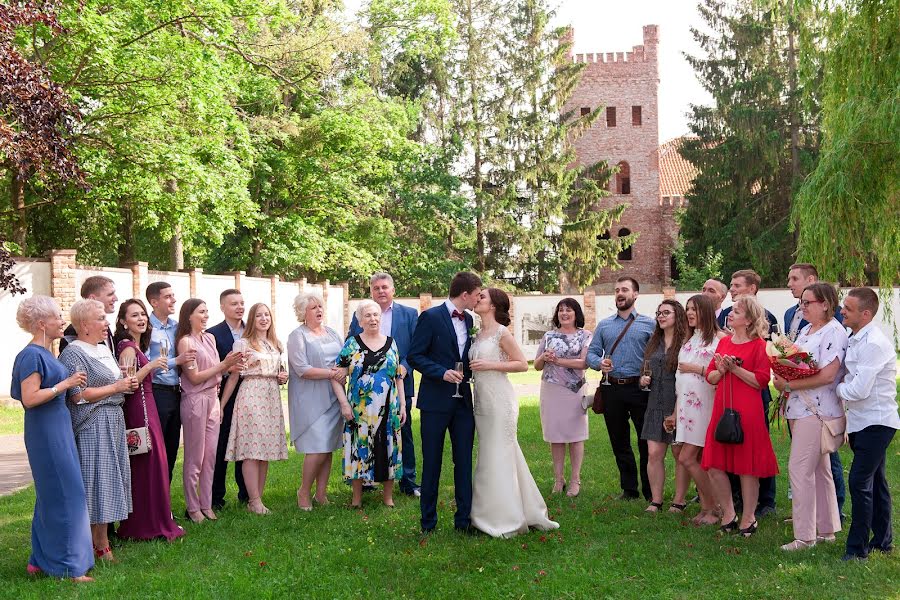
x=810, y=402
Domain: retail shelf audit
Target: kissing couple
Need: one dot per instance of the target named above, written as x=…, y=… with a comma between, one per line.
x=447, y=350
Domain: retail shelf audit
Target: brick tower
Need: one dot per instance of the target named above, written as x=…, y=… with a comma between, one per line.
x=627, y=135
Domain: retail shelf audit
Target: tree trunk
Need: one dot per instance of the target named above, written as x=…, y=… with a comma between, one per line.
x=17, y=200
x=176, y=250
x=255, y=267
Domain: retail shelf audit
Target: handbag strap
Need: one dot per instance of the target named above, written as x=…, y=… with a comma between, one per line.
x=621, y=335
x=812, y=409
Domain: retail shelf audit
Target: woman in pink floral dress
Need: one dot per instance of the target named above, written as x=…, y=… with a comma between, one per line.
x=257, y=429
x=694, y=398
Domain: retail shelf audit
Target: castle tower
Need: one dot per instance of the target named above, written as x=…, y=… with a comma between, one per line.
x=627, y=135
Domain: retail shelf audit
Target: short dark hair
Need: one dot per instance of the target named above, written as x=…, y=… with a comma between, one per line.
x=807, y=269
x=228, y=292
x=824, y=292
x=576, y=308
x=634, y=284
x=94, y=284
x=155, y=289
x=463, y=282
x=867, y=299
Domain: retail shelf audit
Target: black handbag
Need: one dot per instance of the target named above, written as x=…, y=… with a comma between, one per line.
x=728, y=429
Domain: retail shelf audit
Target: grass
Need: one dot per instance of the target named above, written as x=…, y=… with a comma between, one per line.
x=12, y=419
x=604, y=548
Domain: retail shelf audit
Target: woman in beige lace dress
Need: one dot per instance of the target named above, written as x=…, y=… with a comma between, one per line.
x=257, y=428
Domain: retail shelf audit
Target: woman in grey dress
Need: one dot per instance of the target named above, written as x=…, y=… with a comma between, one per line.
x=313, y=411
x=98, y=422
x=661, y=362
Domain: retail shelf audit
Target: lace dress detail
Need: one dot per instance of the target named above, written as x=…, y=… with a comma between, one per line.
x=505, y=499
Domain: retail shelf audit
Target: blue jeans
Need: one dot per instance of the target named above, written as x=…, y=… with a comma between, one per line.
x=871, y=510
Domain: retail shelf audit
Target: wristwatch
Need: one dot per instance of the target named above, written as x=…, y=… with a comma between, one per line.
x=55, y=391
x=787, y=387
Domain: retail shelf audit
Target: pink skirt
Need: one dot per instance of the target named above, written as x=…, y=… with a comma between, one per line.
x=563, y=420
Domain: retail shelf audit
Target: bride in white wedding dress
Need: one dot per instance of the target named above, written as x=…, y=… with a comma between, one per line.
x=505, y=498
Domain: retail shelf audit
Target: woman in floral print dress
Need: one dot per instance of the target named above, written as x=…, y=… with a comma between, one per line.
x=373, y=412
x=694, y=398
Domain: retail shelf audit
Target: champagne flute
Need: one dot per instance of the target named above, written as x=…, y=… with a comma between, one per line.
x=193, y=363
x=164, y=351
x=459, y=367
x=240, y=345
x=646, y=372
x=604, y=377
x=79, y=368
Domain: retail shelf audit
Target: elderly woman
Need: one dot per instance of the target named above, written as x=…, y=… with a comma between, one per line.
x=739, y=368
x=561, y=357
x=151, y=516
x=812, y=401
x=200, y=410
x=313, y=410
x=374, y=412
x=99, y=423
x=60, y=529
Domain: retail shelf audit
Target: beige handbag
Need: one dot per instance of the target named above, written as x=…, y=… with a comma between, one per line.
x=834, y=431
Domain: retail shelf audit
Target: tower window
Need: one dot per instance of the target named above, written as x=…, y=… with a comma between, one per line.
x=610, y=116
x=585, y=111
x=623, y=178
x=625, y=254
x=636, y=116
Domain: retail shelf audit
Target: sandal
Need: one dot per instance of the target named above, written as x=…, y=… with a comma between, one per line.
x=677, y=507
x=256, y=506
x=559, y=487
x=209, y=514
x=730, y=527
x=750, y=530
x=105, y=554
x=300, y=504
x=196, y=516
x=33, y=570
x=798, y=545
x=574, y=489
x=654, y=507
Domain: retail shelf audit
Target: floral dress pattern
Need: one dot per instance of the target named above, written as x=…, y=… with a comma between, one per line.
x=695, y=395
x=372, y=444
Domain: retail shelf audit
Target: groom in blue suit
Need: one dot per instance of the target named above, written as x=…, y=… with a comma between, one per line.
x=398, y=322
x=441, y=339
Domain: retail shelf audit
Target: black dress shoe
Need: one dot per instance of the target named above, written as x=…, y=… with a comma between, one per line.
x=628, y=496
x=764, y=511
x=849, y=557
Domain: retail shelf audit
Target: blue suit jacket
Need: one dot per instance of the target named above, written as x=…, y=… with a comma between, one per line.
x=403, y=325
x=224, y=345
x=789, y=316
x=434, y=350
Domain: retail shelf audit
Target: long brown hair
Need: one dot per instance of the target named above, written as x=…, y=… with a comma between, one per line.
x=501, y=305
x=122, y=332
x=706, y=317
x=250, y=329
x=184, y=318
x=679, y=335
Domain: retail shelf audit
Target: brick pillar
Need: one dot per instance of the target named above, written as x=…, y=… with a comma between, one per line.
x=590, y=310
x=346, y=286
x=424, y=302
x=140, y=276
x=325, y=285
x=513, y=329
x=668, y=292
x=238, y=278
x=195, y=274
x=302, y=285
x=62, y=279
x=273, y=286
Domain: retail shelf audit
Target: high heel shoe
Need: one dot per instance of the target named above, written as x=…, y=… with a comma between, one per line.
x=748, y=531
x=300, y=505
x=559, y=487
x=209, y=514
x=105, y=554
x=653, y=507
x=574, y=489
x=730, y=527
x=33, y=570
x=196, y=516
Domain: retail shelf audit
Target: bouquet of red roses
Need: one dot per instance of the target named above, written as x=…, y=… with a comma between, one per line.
x=789, y=361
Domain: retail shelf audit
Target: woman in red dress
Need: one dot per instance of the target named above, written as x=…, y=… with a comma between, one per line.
x=151, y=516
x=739, y=369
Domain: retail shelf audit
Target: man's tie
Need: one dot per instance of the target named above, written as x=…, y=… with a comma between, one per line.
x=459, y=315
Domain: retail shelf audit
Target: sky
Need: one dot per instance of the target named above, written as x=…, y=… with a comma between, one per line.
x=617, y=25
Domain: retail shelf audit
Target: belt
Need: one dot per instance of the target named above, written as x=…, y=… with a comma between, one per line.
x=623, y=380
x=172, y=388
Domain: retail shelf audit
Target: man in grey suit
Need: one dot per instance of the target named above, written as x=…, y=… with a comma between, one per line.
x=399, y=322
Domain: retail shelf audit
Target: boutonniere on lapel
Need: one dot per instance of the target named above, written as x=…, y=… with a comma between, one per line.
x=473, y=331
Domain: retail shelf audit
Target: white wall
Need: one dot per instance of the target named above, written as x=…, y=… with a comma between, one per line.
x=35, y=278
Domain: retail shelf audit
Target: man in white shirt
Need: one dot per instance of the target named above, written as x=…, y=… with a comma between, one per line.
x=869, y=392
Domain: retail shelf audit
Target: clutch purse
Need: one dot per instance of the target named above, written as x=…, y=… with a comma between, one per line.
x=138, y=438
x=728, y=429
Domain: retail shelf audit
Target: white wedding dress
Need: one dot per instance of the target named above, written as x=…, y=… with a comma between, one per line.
x=505, y=498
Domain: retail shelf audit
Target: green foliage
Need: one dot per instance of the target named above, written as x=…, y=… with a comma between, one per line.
x=690, y=275
x=847, y=213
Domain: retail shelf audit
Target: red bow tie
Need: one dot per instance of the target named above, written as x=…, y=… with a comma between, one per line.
x=459, y=315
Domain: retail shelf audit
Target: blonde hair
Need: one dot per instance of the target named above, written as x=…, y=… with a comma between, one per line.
x=301, y=303
x=31, y=310
x=362, y=306
x=756, y=316
x=250, y=329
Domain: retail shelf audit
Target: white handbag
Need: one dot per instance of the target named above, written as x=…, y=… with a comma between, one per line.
x=138, y=439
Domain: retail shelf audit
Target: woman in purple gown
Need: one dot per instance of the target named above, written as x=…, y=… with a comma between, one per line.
x=151, y=516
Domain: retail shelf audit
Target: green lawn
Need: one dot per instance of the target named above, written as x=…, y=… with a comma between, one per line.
x=12, y=419
x=605, y=548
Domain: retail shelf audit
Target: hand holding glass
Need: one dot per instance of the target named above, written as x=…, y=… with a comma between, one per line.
x=604, y=378
x=646, y=372
x=164, y=351
x=459, y=368
x=240, y=345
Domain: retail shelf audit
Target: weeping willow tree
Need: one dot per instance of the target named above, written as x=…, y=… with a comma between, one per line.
x=847, y=213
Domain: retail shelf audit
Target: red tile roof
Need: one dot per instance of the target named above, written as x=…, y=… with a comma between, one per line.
x=675, y=173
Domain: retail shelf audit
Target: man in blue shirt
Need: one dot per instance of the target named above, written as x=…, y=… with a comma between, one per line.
x=624, y=399
x=166, y=386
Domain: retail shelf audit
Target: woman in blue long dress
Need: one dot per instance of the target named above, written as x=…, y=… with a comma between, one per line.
x=60, y=531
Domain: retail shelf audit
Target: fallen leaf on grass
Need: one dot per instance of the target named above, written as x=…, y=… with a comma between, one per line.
x=515, y=567
x=263, y=563
x=524, y=546
x=543, y=539
x=248, y=553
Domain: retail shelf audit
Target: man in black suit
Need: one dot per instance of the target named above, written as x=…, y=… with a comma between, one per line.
x=746, y=283
x=102, y=289
x=226, y=333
